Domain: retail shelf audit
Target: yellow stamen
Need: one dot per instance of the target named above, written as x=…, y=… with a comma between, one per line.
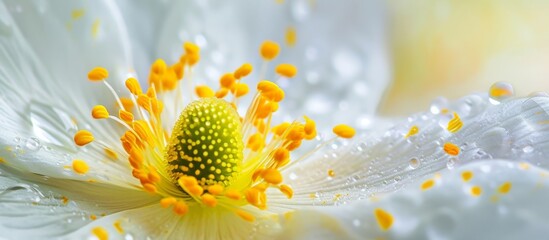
x=209, y=200
x=125, y=115
x=427, y=184
x=80, y=166
x=245, y=215
x=243, y=71
x=83, y=137
x=331, y=173
x=286, y=70
x=240, y=89
x=204, y=91
x=215, y=189
x=221, y=93
x=413, y=131
x=227, y=80
x=344, y=131
x=451, y=149
x=291, y=36
x=167, y=202
x=100, y=112
x=191, y=48
x=272, y=176
x=233, y=194
x=100, y=233
x=98, y=74
x=287, y=190
x=269, y=50
x=118, y=226
x=384, y=219
x=133, y=86
x=255, y=142
x=180, y=208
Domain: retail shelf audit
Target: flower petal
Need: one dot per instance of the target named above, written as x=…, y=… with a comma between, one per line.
x=337, y=66
x=45, y=95
x=386, y=161
x=509, y=202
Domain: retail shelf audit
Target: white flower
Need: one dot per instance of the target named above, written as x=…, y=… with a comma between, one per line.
x=66, y=175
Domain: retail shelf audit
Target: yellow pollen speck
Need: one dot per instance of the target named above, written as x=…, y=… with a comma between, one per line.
x=524, y=166
x=80, y=166
x=272, y=176
x=269, y=50
x=233, y=194
x=215, y=189
x=384, y=219
x=291, y=36
x=98, y=74
x=77, y=14
x=344, y=131
x=65, y=200
x=286, y=70
x=427, y=184
x=95, y=28
x=180, y=208
x=209, y=200
x=118, y=226
x=287, y=190
x=331, y=173
x=243, y=71
x=2, y=160
x=451, y=149
x=466, y=176
x=166, y=202
x=83, y=137
x=476, y=191
x=455, y=124
x=505, y=188
x=413, y=131
x=204, y=91
x=100, y=233
x=93, y=217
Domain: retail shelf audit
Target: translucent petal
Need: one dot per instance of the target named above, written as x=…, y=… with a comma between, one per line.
x=387, y=160
x=448, y=210
x=46, y=96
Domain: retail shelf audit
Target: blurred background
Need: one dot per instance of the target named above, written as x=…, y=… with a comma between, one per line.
x=453, y=47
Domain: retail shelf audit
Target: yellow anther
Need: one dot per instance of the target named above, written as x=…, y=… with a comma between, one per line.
x=167, y=202
x=215, y=189
x=209, y=200
x=296, y=133
x=264, y=110
x=93, y=217
x=100, y=112
x=233, y=194
x=291, y=36
x=125, y=115
x=180, y=208
x=153, y=175
x=255, y=142
x=243, y=71
x=451, y=149
x=344, y=131
x=227, y=80
x=144, y=101
x=240, y=89
x=169, y=80
x=191, y=48
x=455, y=124
x=331, y=173
x=100, y=233
x=293, y=145
x=133, y=86
x=287, y=190
x=281, y=155
x=413, y=131
x=384, y=219
x=272, y=176
x=83, y=137
x=310, y=128
x=149, y=187
x=196, y=190
x=187, y=181
x=80, y=166
x=286, y=70
x=159, y=67
x=192, y=59
x=127, y=103
x=260, y=125
x=280, y=129
x=267, y=86
x=257, y=173
x=505, y=188
x=221, y=93
x=466, y=176
x=77, y=13
x=476, y=191
x=111, y=153
x=427, y=184
x=269, y=50
x=245, y=215
x=204, y=91
x=256, y=198
x=178, y=68
x=98, y=74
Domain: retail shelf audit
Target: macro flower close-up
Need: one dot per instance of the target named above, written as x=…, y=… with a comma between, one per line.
x=251, y=120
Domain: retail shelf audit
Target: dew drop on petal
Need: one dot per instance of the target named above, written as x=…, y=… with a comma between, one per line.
x=414, y=163
x=451, y=163
x=528, y=149
x=438, y=104
x=500, y=91
x=33, y=144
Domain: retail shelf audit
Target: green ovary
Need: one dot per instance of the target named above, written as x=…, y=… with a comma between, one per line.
x=206, y=143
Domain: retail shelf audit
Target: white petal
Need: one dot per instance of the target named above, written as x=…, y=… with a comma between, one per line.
x=446, y=211
x=387, y=160
x=56, y=207
x=340, y=63
x=45, y=93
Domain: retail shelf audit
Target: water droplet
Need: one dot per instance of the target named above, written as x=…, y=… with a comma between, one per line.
x=346, y=63
x=356, y=223
x=293, y=176
x=33, y=144
x=528, y=149
x=414, y=163
x=16, y=139
x=451, y=163
x=438, y=104
x=398, y=178
x=500, y=91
